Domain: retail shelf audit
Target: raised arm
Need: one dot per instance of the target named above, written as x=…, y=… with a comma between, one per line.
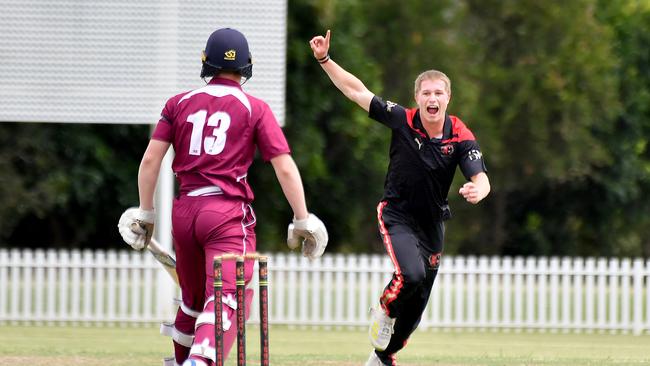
x=347, y=83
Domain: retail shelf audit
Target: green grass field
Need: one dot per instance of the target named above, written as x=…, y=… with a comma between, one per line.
x=115, y=346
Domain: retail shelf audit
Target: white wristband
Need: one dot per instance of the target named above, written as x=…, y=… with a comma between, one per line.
x=146, y=215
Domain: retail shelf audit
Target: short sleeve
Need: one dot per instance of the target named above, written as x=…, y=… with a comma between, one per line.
x=388, y=113
x=269, y=137
x=164, y=127
x=471, y=159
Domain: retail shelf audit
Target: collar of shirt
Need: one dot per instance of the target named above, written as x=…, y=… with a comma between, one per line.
x=223, y=81
x=446, y=129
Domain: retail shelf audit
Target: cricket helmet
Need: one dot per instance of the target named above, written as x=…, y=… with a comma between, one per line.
x=227, y=50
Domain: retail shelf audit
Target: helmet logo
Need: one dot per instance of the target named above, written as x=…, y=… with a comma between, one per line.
x=230, y=55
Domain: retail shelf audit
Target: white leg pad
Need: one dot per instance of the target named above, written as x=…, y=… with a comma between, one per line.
x=185, y=309
x=188, y=311
x=225, y=299
x=208, y=317
x=205, y=318
x=230, y=301
x=168, y=329
x=204, y=350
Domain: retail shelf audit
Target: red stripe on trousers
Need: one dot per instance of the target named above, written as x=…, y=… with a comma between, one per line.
x=390, y=293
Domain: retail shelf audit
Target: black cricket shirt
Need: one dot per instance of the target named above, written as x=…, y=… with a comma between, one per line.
x=421, y=169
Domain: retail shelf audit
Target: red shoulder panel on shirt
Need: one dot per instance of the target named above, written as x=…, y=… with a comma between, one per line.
x=410, y=114
x=459, y=131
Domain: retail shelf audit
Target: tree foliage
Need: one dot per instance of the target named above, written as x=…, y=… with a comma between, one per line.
x=341, y=153
x=543, y=72
x=624, y=227
x=64, y=185
x=558, y=95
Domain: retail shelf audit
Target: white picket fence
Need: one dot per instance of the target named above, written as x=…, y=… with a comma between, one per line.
x=551, y=294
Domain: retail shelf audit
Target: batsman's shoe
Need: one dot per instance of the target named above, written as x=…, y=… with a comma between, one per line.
x=374, y=360
x=381, y=328
x=194, y=362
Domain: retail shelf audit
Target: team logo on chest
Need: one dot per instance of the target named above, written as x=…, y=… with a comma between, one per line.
x=447, y=149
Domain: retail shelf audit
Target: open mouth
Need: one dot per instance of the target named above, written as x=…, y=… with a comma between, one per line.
x=433, y=109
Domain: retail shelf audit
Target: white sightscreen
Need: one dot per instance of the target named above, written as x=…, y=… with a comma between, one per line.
x=117, y=61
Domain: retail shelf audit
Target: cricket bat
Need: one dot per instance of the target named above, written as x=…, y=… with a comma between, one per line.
x=164, y=258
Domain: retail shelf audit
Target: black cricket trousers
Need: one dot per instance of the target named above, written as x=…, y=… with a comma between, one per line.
x=415, y=252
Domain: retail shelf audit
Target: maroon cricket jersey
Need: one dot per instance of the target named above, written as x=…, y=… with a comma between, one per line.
x=214, y=131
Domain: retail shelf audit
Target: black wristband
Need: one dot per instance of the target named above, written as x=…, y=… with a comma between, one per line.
x=324, y=59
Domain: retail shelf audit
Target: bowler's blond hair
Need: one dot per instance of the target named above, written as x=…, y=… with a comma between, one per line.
x=432, y=75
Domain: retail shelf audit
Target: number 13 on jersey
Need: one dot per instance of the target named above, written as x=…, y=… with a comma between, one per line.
x=213, y=144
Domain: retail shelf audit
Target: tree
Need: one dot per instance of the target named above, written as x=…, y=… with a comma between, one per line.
x=66, y=185
x=624, y=228
x=341, y=153
x=543, y=70
x=558, y=95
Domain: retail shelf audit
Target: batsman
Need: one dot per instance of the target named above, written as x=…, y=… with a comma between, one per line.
x=427, y=146
x=215, y=131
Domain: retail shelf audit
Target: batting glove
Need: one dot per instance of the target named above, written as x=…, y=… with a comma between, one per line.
x=136, y=227
x=309, y=232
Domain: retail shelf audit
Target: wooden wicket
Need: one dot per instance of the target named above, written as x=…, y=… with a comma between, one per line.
x=241, y=307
